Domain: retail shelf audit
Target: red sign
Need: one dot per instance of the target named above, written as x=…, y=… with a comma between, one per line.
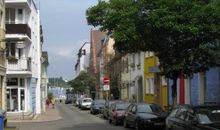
x=106, y=80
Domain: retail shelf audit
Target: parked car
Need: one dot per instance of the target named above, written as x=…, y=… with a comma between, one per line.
x=107, y=106
x=97, y=106
x=86, y=103
x=144, y=116
x=117, y=112
x=3, y=113
x=68, y=101
x=185, y=117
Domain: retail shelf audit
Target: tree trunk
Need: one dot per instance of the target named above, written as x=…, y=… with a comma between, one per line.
x=174, y=90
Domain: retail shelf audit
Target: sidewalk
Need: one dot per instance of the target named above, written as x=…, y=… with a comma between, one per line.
x=51, y=114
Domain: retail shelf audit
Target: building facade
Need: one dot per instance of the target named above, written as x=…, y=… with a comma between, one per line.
x=44, y=80
x=201, y=88
x=83, y=58
x=136, y=69
x=155, y=85
x=2, y=56
x=96, y=38
x=23, y=43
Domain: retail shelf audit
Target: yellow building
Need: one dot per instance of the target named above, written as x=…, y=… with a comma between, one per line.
x=155, y=87
x=2, y=56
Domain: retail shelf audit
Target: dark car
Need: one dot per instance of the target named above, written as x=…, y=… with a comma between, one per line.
x=97, y=106
x=117, y=112
x=68, y=101
x=144, y=116
x=185, y=117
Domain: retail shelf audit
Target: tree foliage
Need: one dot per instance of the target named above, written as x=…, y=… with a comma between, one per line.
x=184, y=34
x=84, y=81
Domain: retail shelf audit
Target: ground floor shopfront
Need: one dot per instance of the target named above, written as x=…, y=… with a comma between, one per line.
x=16, y=94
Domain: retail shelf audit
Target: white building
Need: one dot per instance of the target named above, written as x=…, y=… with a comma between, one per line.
x=23, y=43
x=83, y=58
x=44, y=80
x=136, y=75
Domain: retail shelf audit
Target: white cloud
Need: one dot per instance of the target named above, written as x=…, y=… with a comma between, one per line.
x=70, y=51
x=65, y=52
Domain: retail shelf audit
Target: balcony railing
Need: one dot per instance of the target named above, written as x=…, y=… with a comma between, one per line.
x=23, y=64
x=18, y=29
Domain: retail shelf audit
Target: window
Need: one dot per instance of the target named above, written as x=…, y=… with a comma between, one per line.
x=147, y=86
x=10, y=49
x=22, y=82
x=133, y=109
x=152, y=85
x=83, y=52
x=10, y=16
x=20, y=52
x=130, y=107
x=12, y=81
x=20, y=11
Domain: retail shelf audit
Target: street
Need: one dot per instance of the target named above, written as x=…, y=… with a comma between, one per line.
x=72, y=119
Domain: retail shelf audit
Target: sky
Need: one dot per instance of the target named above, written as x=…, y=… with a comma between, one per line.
x=65, y=30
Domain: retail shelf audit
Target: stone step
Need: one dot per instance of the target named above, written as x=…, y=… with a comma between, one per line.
x=20, y=116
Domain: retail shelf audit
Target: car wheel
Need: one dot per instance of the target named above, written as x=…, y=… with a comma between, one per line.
x=125, y=124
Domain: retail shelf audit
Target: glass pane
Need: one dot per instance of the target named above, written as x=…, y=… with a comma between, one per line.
x=14, y=100
x=12, y=16
x=22, y=99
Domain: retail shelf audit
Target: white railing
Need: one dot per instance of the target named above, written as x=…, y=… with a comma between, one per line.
x=22, y=64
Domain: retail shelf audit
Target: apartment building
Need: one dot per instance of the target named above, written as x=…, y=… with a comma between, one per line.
x=23, y=43
x=2, y=56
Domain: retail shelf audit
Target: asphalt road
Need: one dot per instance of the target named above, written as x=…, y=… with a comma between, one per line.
x=72, y=119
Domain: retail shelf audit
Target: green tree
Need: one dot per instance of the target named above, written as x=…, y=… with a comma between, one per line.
x=184, y=34
x=50, y=96
x=84, y=81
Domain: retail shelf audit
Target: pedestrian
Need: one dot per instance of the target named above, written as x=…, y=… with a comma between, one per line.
x=47, y=102
x=53, y=102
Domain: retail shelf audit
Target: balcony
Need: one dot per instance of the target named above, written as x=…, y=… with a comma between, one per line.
x=18, y=66
x=23, y=29
x=24, y=2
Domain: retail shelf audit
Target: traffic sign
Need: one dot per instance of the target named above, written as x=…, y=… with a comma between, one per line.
x=106, y=87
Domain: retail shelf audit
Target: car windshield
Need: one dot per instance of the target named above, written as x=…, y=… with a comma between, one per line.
x=208, y=115
x=144, y=108
x=123, y=106
x=156, y=108
x=87, y=100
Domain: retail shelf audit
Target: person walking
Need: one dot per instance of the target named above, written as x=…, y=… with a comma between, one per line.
x=53, y=102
